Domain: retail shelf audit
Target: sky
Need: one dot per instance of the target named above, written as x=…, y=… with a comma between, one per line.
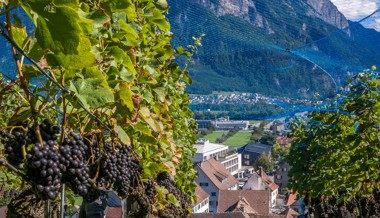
x=357, y=9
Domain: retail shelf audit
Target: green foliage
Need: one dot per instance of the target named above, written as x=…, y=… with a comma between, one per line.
x=264, y=162
x=115, y=59
x=335, y=153
x=268, y=139
x=280, y=151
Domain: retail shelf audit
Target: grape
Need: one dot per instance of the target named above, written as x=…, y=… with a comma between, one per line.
x=117, y=167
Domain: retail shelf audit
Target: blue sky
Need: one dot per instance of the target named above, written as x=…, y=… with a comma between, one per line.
x=357, y=9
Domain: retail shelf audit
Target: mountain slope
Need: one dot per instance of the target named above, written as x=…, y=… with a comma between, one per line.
x=246, y=41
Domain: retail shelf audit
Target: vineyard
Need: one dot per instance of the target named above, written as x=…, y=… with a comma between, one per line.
x=96, y=103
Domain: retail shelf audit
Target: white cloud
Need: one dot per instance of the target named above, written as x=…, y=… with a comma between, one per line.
x=357, y=9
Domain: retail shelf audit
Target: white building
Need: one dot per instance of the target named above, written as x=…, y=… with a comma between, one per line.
x=206, y=150
x=212, y=178
x=202, y=205
x=261, y=181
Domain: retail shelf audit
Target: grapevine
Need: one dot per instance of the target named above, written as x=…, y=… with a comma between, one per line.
x=109, y=110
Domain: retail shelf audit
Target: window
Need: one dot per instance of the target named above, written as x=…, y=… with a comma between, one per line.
x=284, y=169
x=246, y=156
x=216, y=203
x=211, y=203
x=246, y=162
x=203, y=184
x=213, y=193
x=279, y=176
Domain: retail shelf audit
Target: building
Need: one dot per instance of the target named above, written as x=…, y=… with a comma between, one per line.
x=206, y=150
x=232, y=163
x=278, y=126
x=204, y=124
x=283, y=140
x=251, y=151
x=229, y=124
x=247, y=201
x=202, y=205
x=281, y=177
x=212, y=178
x=261, y=181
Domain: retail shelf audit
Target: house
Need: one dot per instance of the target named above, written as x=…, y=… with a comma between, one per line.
x=202, y=205
x=283, y=140
x=213, y=177
x=281, y=177
x=296, y=203
x=231, y=160
x=247, y=201
x=261, y=181
x=251, y=151
x=235, y=215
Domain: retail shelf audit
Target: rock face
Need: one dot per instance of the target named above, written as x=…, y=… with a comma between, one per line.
x=328, y=12
x=246, y=9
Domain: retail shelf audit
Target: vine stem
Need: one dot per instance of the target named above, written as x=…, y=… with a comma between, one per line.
x=64, y=119
x=23, y=81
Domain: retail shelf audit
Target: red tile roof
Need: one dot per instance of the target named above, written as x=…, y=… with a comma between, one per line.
x=3, y=212
x=114, y=212
x=201, y=194
x=292, y=198
x=259, y=200
x=268, y=181
x=220, y=215
x=216, y=172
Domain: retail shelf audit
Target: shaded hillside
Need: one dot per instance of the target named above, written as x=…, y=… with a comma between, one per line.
x=245, y=46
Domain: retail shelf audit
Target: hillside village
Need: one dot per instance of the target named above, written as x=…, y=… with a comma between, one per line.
x=229, y=186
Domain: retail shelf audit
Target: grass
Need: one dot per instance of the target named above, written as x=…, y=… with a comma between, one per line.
x=240, y=138
x=213, y=136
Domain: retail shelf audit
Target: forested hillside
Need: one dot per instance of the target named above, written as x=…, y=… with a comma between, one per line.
x=248, y=46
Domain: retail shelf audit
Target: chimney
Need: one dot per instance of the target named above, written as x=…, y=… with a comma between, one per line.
x=261, y=171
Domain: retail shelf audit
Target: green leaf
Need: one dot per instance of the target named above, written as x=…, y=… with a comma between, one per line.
x=161, y=4
x=125, y=95
x=19, y=35
x=90, y=93
x=171, y=198
x=57, y=27
x=84, y=58
x=123, y=136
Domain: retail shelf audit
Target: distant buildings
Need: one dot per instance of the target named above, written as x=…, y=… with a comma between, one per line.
x=212, y=178
x=223, y=124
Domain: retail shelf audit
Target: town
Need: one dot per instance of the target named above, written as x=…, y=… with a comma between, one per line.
x=230, y=181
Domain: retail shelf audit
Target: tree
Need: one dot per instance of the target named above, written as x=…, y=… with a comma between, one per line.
x=268, y=139
x=280, y=151
x=264, y=162
x=334, y=155
x=100, y=90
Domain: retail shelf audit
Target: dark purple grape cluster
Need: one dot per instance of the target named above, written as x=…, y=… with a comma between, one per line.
x=49, y=131
x=172, y=211
x=44, y=169
x=13, y=143
x=150, y=189
x=73, y=152
x=120, y=168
